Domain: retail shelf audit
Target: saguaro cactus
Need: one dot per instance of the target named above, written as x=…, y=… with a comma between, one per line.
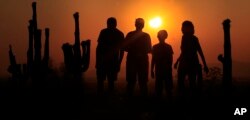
x=85, y=55
x=46, y=50
x=35, y=68
x=68, y=55
x=37, y=41
x=34, y=16
x=74, y=61
x=14, y=68
x=30, y=49
x=38, y=46
x=227, y=59
x=76, y=47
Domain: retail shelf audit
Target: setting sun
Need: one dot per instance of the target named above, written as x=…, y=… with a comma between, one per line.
x=155, y=22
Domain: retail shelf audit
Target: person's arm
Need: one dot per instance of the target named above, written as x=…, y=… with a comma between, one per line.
x=101, y=36
x=202, y=57
x=99, y=42
x=171, y=57
x=121, y=50
x=125, y=43
x=149, y=44
x=152, y=66
x=121, y=56
x=177, y=62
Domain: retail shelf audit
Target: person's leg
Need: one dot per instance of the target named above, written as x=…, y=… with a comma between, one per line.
x=199, y=77
x=169, y=83
x=112, y=77
x=130, y=78
x=101, y=76
x=181, y=77
x=158, y=87
x=192, y=81
x=143, y=77
x=158, y=84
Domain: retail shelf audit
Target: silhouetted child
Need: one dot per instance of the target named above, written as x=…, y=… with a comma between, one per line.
x=162, y=59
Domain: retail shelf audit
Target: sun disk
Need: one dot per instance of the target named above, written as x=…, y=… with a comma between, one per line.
x=155, y=22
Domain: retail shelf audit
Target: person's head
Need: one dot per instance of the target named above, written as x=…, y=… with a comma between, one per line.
x=111, y=22
x=162, y=35
x=187, y=28
x=139, y=24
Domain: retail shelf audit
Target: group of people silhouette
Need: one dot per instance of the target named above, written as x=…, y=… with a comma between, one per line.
x=110, y=51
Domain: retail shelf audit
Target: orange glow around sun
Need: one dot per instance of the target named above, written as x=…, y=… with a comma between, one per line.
x=155, y=22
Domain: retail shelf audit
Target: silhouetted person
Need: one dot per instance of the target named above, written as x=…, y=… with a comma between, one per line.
x=138, y=45
x=162, y=60
x=188, y=60
x=108, y=55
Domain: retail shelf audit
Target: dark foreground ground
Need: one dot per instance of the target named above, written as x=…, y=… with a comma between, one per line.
x=83, y=103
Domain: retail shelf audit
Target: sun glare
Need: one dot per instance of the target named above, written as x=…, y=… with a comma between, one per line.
x=155, y=22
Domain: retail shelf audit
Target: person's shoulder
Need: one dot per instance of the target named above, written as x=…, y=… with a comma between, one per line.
x=195, y=38
x=146, y=34
x=119, y=31
x=168, y=45
x=131, y=33
x=104, y=30
x=156, y=45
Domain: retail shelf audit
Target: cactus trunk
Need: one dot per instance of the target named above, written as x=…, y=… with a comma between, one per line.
x=227, y=59
x=227, y=66
x=30, y=49
x=46, y=50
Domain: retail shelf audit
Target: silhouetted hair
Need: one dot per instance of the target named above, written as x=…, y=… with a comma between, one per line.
x=187, y=27
x=139, y=23
x=111, y=22
x=162, y=35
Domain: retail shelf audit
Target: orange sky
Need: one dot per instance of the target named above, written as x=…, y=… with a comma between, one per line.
x=207, y=16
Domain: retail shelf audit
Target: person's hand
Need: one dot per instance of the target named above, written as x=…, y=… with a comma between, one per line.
x=152, y=74
x=206, y=69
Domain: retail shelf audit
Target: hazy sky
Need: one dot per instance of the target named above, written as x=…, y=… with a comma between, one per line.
x=207, y=16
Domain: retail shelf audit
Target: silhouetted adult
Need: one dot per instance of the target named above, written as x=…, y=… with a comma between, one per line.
x=188, y=60
x=137, y=45
x=108, y=55
x=161, y=65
